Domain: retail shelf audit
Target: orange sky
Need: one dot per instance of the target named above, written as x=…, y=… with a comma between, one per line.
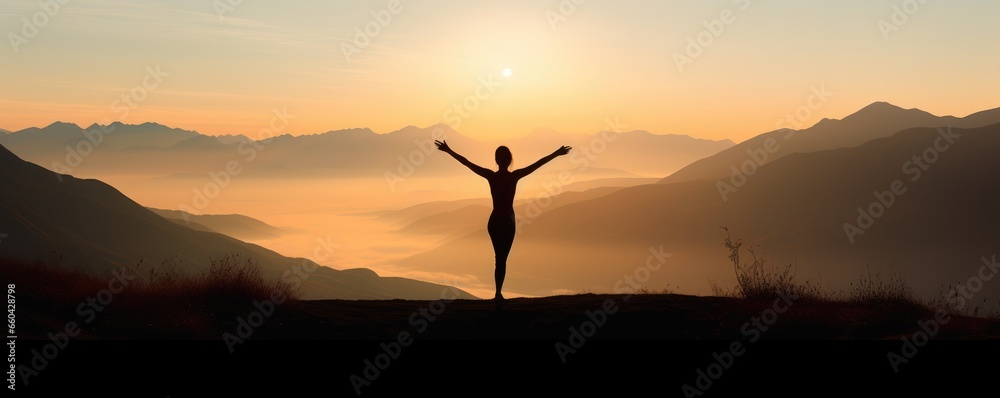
x=571, y=68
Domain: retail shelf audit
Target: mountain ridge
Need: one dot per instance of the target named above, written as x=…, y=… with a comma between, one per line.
x=876, y=120
x=356, y=152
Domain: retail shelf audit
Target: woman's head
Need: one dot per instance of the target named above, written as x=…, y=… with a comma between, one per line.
x=503, y=157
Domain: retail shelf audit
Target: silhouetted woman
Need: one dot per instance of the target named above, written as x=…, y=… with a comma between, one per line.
x=503, y=183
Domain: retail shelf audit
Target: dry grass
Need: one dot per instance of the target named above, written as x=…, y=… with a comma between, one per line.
x=155, y=299
x=873, y=289
x=233, y=277
x=757, y=279
x=646, y=291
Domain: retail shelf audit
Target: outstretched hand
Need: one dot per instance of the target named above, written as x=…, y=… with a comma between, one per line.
x=442, y=145
x=562, y=150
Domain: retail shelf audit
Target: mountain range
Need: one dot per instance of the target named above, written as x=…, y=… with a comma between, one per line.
x=155, y=150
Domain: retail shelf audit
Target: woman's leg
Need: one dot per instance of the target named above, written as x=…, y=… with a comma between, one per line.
x=501, y=231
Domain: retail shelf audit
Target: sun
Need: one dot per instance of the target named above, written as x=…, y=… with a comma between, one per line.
x=506, y=72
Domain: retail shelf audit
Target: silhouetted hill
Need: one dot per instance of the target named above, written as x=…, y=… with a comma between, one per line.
x=874, y=121
x=91, y=225
x=235, y=225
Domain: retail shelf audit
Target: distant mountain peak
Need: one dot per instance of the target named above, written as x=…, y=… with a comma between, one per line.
x=423, y=131
x=882, y=109
x=406, y=130
x=881, y=105
x=61, y=124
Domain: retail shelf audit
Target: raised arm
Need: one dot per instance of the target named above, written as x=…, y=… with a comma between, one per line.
x=482, y=171
x=534, y=166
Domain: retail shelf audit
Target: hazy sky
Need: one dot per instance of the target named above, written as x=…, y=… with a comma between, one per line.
x=599, y=60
